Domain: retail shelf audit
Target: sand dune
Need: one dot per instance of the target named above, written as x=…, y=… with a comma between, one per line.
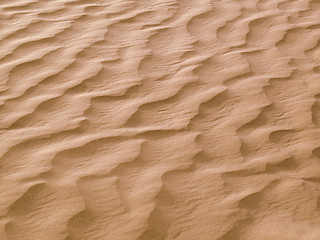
x=166, y=119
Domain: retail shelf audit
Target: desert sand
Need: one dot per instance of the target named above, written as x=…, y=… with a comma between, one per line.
x=160, y=120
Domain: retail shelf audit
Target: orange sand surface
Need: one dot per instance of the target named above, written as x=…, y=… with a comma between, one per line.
x=159, y=120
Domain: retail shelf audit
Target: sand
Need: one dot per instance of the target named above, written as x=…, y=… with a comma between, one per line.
x=160, y=120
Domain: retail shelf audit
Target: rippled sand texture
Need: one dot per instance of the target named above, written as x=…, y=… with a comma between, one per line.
x=165, y=119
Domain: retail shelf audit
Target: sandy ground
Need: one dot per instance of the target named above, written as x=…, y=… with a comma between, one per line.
x=164, y=119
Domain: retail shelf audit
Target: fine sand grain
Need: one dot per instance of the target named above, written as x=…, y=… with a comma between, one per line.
x=160, y=120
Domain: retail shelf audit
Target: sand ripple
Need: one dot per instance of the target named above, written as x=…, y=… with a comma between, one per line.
x=152, y=120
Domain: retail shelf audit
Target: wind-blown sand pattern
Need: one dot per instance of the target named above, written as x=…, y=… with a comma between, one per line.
x=165, y=119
